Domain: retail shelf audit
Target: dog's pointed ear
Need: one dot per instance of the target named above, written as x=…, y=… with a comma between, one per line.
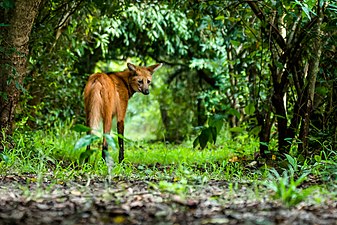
x=155, y=67
x=131, y=67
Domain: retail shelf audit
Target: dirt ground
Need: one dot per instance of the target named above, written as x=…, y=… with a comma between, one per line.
x=28, y=200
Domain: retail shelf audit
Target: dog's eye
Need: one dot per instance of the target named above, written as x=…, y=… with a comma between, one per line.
x=140, y=81
x=148, y=81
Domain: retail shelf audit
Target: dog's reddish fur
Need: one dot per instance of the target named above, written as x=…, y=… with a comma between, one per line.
x=107, y=95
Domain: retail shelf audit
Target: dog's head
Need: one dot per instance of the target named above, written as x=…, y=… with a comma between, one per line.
x=141, y=77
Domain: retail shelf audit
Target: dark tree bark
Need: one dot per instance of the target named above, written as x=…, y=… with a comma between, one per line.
x=20, y=19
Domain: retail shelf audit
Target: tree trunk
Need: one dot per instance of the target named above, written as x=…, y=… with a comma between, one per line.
x=311, y=80
x=266, y=122
x=20, y=19
x=288, y=50
x=279, y=86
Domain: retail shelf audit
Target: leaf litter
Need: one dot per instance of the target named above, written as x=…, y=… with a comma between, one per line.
x=24, y=200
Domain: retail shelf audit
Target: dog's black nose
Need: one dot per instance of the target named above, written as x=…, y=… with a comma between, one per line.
x=146, y=92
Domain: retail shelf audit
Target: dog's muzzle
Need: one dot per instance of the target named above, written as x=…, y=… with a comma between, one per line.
x=146, y=92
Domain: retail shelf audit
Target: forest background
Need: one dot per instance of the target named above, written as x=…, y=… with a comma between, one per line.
x=268, y=68
x=260, y=73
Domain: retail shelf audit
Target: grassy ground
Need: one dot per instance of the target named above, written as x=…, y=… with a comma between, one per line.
x=41, y=161
x=37, y=151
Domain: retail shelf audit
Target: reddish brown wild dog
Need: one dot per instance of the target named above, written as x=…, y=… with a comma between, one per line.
x=107, y=95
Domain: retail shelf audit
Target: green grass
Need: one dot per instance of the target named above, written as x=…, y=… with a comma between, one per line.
x=50, y=155
x=43, y=150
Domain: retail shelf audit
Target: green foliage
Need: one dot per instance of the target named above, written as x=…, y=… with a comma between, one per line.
x=286, y=186
x=209, y=133
x=219, y=65
x=324, y=165
x=90, y=139
x=39, y=151
x=58, y=74
x=86, y=140
x=168, y=168
x=217, y=62
x=7, y=4
x=80, y=128
x=4, y=157
x=179, y=188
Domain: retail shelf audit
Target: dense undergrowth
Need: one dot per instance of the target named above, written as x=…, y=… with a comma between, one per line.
x=50, y=155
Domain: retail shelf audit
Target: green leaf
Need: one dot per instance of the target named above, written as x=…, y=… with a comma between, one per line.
x=20, y=87
x=86, y=140
x=8, y=4
x=264, y=143
x=196, y=142
x=213, y=134
x=86, y=155
x=124, y=138
x=332, y=7
x=80, y=128
x=4, y=157
x=322, y=90
x=216, y=121
x=234, y=112
x=204, y=137
x=235, y=43
x=255, y=130
x=250, y=109
x=292, y=161
x=236, y=129
x=220, y=17
x=111, y=141
x=306, y=11
x=318, y=158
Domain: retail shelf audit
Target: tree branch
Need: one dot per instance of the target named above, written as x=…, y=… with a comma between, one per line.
x=64, y=19
x=274, y=31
